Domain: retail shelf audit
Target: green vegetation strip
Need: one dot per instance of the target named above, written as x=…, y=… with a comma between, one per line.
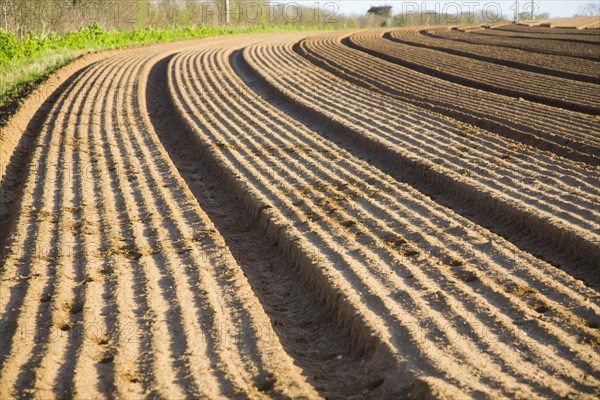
x=25, y=61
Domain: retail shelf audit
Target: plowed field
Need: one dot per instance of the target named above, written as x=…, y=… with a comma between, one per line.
x=367, y=214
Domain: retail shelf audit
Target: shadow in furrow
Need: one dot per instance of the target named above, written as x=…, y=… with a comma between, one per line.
x=45, y=328
x=517, y=130
x=321, y=343
x=104, y=370
x=491, y=59
x=13, y=177
x=533, y=45
x=11, y=196
x=8, y=322
x=473, y=83
x=134, y=140
x=64, y=386
x=139, y=333
x=505, y=33
x=574, y=254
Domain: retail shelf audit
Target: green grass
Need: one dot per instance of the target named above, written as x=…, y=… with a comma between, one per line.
x=27, y=60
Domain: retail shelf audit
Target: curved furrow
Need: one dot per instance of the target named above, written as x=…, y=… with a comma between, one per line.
x=53, y=372
x=39, y=156
x=159, y=301
x=497, y=190
x=227, y=310
x=29, y=268
x=569, y=24
x=359, y=276
x=289, y=84
x=240, y=149
x=109, y=238
x=480, y=36
x=576, y=49
x=313, y=210
x=227, y=218
x=559, y=35
x=48, y=366
x=241, y=322
x=494, y=147
x=264, y=206
x=226, y=318
x=565, y=133
x=99, y=314
x=532, y=86
x=548, y=64
x=546, y=30
x=126, y=344
x=292, y=303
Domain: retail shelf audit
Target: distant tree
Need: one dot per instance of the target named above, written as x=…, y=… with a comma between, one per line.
x=589, y=9
x=381, y=11
x=380, y=14
x=527, y=15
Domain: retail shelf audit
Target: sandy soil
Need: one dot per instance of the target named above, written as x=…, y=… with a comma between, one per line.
x=537, y=44
x=292, y=216
x=564, y=67
x=584, y=22
x=568, y=134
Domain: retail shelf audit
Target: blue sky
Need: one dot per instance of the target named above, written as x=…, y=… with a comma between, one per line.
x=556, y=8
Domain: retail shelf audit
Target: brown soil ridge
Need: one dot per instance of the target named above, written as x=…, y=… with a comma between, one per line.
x=502, y=208
x=336, y=359
x=96, y=282
x=554, y=91
x=181, y=232
x=562, y=67
x=20, y=131
x=546, y=30
x=480, y=36
x=568, y=134
x=582, y=23
x=561, y=35
x=259, y=149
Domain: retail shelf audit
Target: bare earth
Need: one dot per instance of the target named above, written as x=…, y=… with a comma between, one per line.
x=368, y=214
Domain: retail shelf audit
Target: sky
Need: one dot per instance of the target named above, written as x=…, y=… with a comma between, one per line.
x=556, y=8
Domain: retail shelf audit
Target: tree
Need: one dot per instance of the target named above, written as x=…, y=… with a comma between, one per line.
x=527, y=15
x=381, y=11
x=380, y=15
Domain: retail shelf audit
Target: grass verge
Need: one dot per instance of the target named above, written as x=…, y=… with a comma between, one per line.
x=25, y=62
